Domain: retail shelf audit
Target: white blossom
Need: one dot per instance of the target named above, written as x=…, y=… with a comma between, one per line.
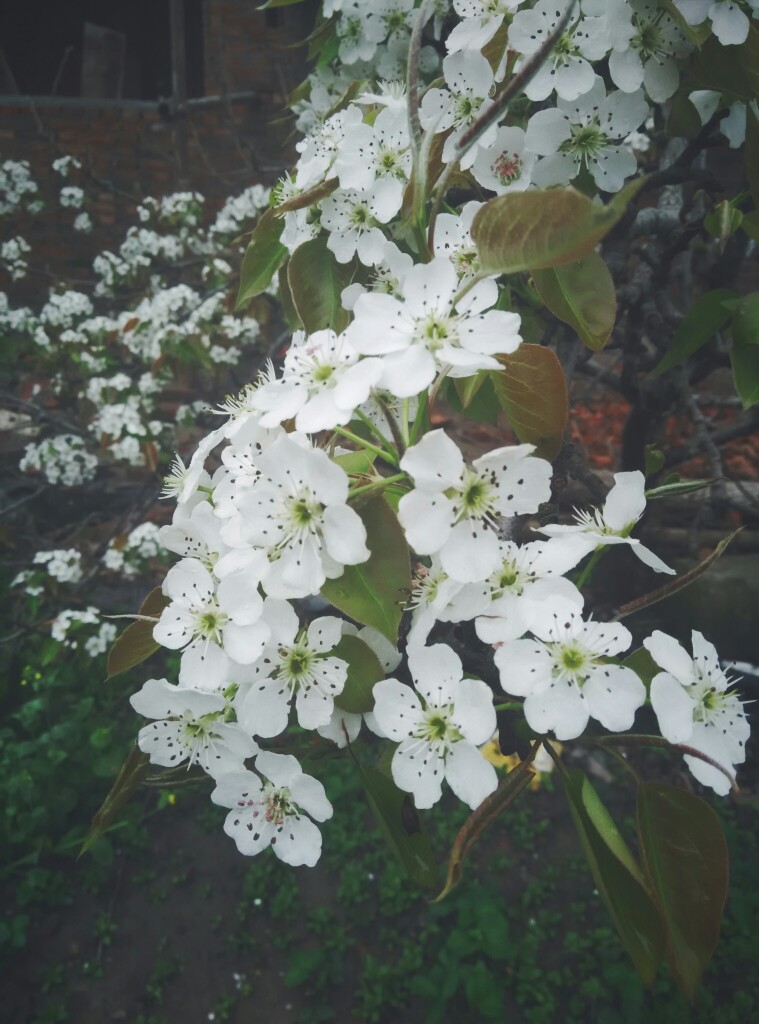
x=693, y=706
x=439, y=734
x=276, y=812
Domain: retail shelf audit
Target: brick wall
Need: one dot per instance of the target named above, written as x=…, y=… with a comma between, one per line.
x=131, y=149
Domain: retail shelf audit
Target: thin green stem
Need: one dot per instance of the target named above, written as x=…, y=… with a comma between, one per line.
x=384, y=441
x=587, y=572
x=421, y=410
x=377, y=485
x=388, y=456
x=510, y=705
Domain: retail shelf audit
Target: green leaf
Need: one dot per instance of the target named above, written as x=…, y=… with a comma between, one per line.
x=357, y=463
x=532, y=391
x=750, y=222
x=543, y=227
x=686, y=861
x=263, y=257
x=642, y=664
x=698, y=326
x=467, y=387
x=683, y=119
x=670, y=488
x=745, y=363
x=744, y=354
x=401, y=826
x=364, y=670
x=136, y=643
x=723, y=221
x=581, y=294
x=375, y=592
x=316, y=282
x=289, y=312
x=733, y=70
x=132, y=771
x=654, y=459
x=618, y=877
x=278, y=3
x=745, y=323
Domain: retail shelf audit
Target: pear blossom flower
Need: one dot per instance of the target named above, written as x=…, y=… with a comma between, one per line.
x=567, y=69
x=322, y=382
x=693, y=706
x=480, y=20
x=425, y=333
x=439, y=734
x=470, y=79
x=212, y=623
x=729, y=23
x=432, y=593
x=277, y=812
x=376, y=159
x=647, y=53
x=563, y=677
x=454, y=508
x=624, y=505
x=319, y=149
x=453, y=239
x=586, y=132
x=297, y=514
x=296, y=668
x=352, y=219
x=506, y=165
x=190, y=725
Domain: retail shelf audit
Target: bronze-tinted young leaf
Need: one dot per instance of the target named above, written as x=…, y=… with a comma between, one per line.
x=127, y=780
x=491, y=807
x=364, y=670
x=375, y=592
x=308, y=198
x=699, y=325
x=532, y=391
x=686, y=861
x=263, y=257
x=582, y=294
x=618, y=877
x=136, y=643
x=677, y=584
x=401, y=826
x=316, y=282
x=543, y=227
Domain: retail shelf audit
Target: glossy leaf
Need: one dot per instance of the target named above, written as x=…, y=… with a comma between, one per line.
x=699, y=325
x=263, y=257
x=467, y=387
x=581, y=294
x=532, y=391
x=618, y=876
x=543, y=227
x=289, y=312
x=745, y=325
x=316, y=282
x=129, y=777
x=401, y=826
x=723, y=221
x=364, y=670
x=672, y=487
x=375, y=592
x=686, y=861
x=136, y=643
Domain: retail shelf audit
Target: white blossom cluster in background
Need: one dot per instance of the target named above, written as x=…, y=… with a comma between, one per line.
x=266, y=509
x=128, y=555
x=83, y=629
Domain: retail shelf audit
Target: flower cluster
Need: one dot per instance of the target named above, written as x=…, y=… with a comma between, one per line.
x=274, y=516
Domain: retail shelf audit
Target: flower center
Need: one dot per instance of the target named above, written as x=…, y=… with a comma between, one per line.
x=209, y=621
x=437, y=729
x=507, y=168
x=277, y=804
x=475, y=497
x=586, y=142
